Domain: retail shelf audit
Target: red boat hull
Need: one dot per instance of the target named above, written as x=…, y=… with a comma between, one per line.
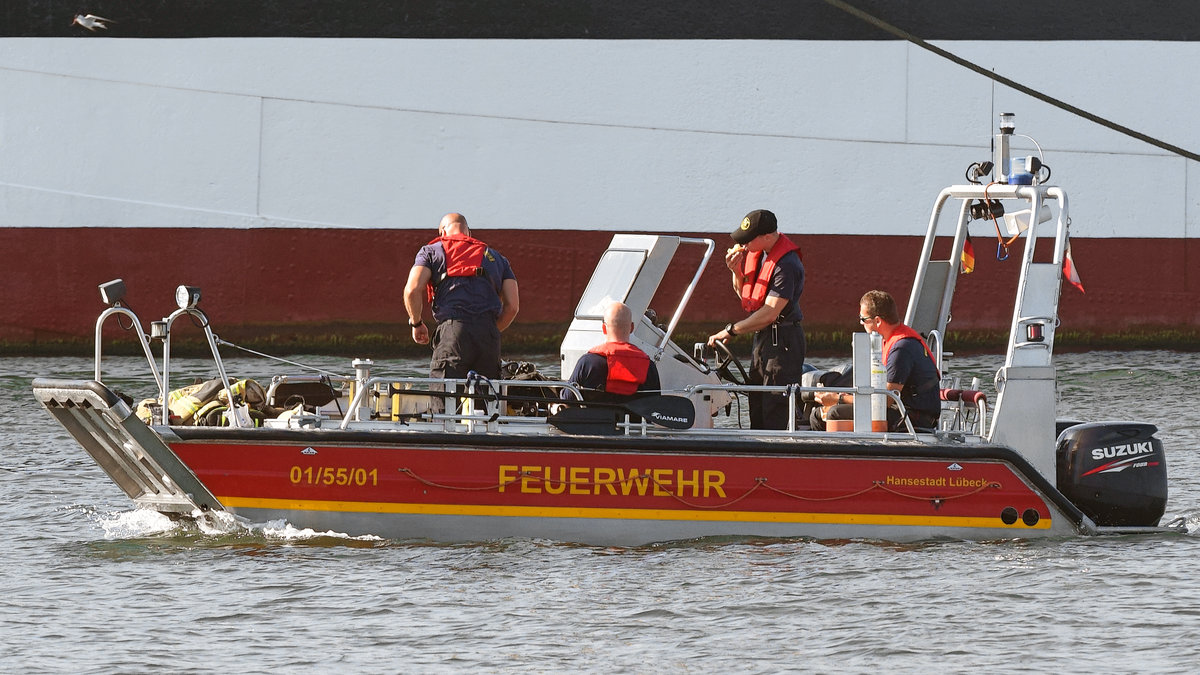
x=631, y=495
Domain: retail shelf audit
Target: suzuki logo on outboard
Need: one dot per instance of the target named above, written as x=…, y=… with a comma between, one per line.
x=1126, y=450
x=1135, y=454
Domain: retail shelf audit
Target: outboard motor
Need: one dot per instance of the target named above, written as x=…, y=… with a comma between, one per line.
x=1115, y=472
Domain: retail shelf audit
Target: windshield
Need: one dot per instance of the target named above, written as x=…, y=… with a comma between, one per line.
x=614, y=276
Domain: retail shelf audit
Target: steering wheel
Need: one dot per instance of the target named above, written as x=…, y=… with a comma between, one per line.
x=725, y=358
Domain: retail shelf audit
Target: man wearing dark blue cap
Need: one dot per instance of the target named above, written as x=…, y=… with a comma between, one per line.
x=768, y=276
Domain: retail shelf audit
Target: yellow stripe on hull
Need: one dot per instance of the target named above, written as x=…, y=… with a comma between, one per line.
x=620, y=514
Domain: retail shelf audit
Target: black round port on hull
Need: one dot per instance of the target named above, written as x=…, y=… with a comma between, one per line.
x=1008, y=515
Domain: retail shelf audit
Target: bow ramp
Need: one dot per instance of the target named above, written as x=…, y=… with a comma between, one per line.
x=129, y=452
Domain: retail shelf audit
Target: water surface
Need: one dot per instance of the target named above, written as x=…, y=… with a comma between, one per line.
x=92, y=586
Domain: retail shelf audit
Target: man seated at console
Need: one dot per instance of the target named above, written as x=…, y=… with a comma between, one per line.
x=615, y=370
x=910, y=370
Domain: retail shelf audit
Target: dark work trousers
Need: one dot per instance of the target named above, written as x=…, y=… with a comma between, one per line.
x=777, y=359
x=460, y=346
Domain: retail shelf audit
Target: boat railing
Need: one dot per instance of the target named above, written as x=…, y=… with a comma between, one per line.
x=118, y=309
x=934, y=340
x=186, y=297
x=473, y=405
x=963, y=411
x=709, y=245
x=458, y=400
x=281, y=380
x=239, y=413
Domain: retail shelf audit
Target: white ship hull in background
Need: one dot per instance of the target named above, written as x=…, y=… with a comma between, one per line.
x=604, y=135
x=224, y=140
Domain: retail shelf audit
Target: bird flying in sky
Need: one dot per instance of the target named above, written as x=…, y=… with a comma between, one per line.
x=91, y=21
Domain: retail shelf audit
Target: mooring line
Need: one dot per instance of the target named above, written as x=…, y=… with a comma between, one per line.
x=1046, y=98
x=758, y=483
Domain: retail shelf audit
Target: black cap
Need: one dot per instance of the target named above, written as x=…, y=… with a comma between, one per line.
x=757, y=222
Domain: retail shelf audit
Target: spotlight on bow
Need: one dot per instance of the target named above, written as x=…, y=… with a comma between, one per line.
x=187, y=297
x=112, y=292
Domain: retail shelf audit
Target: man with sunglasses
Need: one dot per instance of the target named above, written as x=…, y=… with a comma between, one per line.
x=909, y=364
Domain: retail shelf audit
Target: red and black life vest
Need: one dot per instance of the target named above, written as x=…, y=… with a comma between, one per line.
x=756, y=280
x=627, y=366
x=900, y=332
x=464, y=258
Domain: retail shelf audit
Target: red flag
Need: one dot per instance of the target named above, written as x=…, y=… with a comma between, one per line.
x=967, y=262
x=1070, y=272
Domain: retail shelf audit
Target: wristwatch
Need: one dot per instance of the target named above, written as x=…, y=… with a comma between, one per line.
x=414, y=325
x=729, y=328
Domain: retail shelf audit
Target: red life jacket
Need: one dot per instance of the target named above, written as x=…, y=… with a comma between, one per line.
x=756, y=281
x=464, y=258
x=627, y=366
x=902, y=331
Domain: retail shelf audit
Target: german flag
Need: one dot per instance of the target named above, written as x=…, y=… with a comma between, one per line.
x=967, y=264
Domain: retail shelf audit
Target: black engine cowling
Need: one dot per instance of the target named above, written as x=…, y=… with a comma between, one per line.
x=1115, y=472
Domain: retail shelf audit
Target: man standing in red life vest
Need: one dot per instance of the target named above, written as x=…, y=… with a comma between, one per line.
x=615, y=370
x=768, y=276
x=910, y=369
x=473, y=295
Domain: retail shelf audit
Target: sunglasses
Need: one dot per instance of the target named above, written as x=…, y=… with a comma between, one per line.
x=864, y=319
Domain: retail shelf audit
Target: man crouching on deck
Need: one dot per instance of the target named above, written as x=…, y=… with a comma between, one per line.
x=473, y=294
x=615, y=370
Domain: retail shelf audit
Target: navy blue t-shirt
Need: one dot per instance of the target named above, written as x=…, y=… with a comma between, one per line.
x=787, y=282
x=465, y=297
x=908, y=364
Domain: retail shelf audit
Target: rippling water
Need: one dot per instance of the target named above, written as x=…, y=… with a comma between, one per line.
x=91, y=586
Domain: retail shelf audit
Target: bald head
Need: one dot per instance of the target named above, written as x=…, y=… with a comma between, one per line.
x=618, y=322
x=453, y=223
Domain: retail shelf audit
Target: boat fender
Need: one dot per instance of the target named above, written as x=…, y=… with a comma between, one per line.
x=965, y=395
